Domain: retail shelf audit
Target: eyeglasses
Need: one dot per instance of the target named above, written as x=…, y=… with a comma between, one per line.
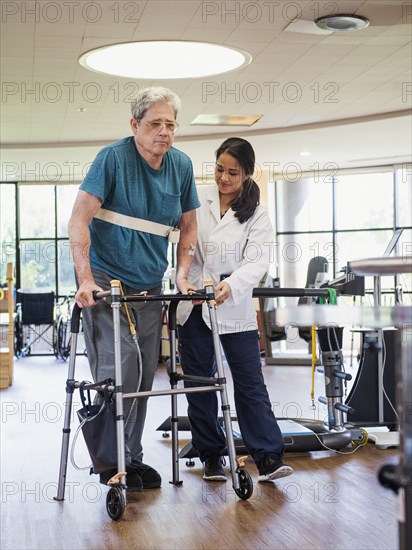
x=156, y=126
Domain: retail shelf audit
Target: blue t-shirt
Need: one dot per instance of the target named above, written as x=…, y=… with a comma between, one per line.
x=126, y=183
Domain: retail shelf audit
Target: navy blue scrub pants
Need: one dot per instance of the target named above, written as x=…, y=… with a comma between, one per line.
x=260, y=431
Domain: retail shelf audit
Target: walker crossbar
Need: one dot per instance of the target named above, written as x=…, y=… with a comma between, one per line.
x=116, y=498
x=196, y=295
x=152, y=393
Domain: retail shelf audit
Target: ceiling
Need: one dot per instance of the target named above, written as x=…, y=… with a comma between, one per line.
x=345, y=97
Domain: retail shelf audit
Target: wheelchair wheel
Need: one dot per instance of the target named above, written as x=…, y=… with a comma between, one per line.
x=27, y=350
x=115, y=503
x=245, y=490
x=63, y=338
x=18, y=337
x=55, y=348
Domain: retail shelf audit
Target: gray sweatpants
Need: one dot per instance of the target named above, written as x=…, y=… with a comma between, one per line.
x=99, y=340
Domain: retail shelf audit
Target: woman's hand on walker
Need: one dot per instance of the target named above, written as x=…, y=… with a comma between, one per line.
x=223, y=292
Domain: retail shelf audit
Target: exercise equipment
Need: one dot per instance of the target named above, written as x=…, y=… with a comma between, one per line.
x=305, y=434
x=367, y=380
x=398, y=478
x=299, y=435
x=317, y=271
x=116, y=497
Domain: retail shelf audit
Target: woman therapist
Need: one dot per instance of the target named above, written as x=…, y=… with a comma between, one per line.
x=233, y=249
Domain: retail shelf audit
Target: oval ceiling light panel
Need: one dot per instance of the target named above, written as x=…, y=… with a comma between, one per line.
x=164, y=59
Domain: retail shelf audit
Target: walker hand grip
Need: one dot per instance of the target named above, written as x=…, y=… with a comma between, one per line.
x=75, y=319
x=200, y=291
x=99, y=294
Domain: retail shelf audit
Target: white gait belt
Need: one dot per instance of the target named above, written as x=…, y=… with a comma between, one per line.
x=172, y=233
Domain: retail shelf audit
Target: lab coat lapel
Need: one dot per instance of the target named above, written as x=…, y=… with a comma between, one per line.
x=214, y=206
x=227, y=218
x=214, y=203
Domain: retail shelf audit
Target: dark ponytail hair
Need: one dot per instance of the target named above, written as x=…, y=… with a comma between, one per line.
x=245, y=204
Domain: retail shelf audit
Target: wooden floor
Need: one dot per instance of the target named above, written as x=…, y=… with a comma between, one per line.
x=331, y=501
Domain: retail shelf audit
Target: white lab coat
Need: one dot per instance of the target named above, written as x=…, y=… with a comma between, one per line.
x=242, y=252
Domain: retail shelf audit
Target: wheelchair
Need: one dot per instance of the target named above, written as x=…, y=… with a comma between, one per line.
x=61, y=328
x=33, y=318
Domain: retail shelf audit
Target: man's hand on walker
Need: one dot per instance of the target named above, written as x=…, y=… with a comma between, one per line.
x=84, y=294
x=183, y=285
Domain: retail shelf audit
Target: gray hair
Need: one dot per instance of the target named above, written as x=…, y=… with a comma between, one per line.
x=148, y=96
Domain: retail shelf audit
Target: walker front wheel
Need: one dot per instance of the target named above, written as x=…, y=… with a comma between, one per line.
x=245, y=490
x=115, y=503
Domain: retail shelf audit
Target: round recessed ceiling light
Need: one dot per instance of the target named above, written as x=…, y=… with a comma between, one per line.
x=164, y=59
x=342, y=23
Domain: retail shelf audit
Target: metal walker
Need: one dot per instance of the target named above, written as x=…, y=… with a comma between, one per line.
x=116, y=499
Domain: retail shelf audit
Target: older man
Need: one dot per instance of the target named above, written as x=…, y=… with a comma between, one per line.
x=135, y=180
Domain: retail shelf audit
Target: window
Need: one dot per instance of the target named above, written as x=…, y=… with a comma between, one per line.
x=65, y=197
x=37, y=232
x=344, y=217
x=294, y=253
x=304, y=204
x=34, y=236
x=349, y=217
x=404, y=195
